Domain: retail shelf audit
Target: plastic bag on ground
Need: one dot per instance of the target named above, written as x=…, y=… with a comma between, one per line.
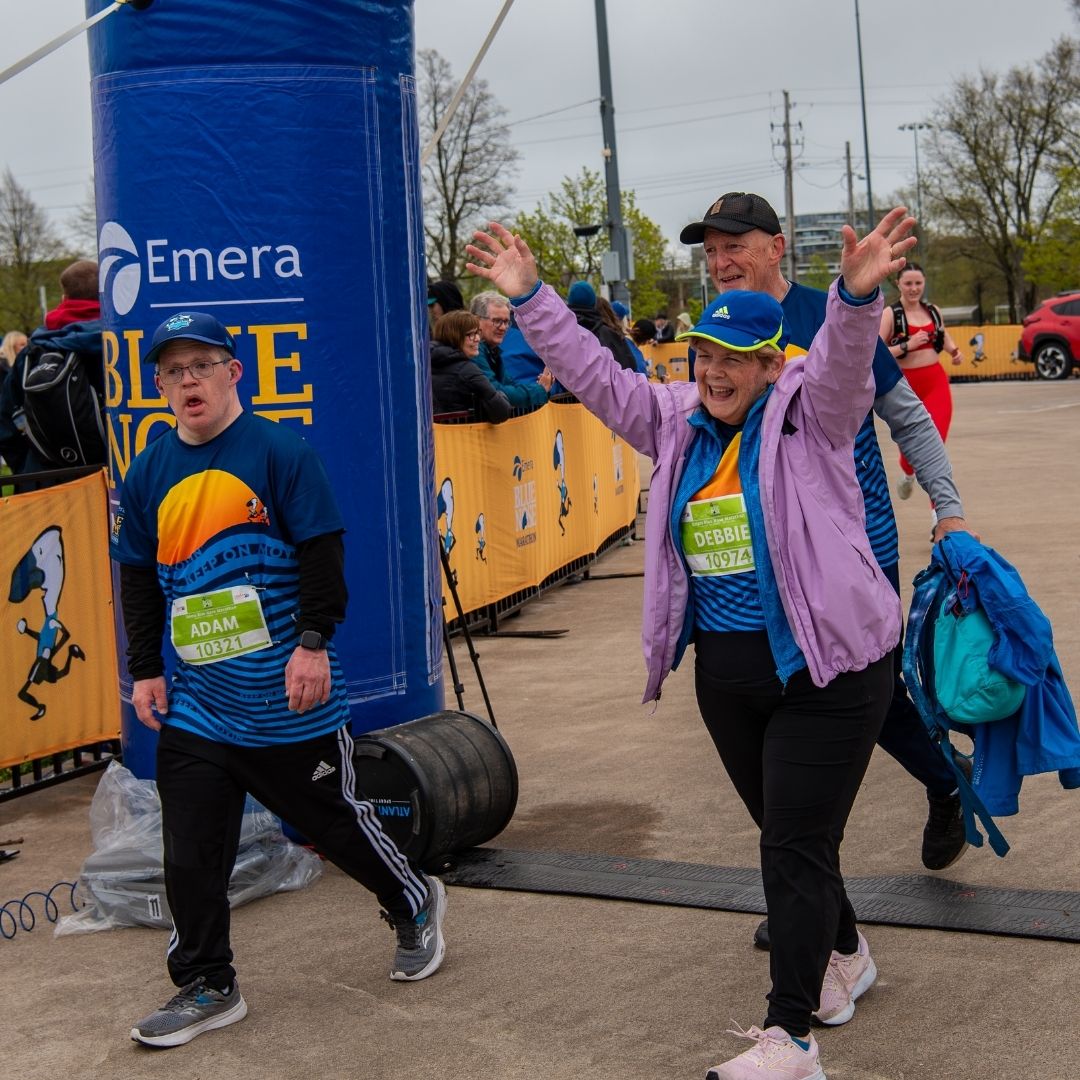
x=122, y=881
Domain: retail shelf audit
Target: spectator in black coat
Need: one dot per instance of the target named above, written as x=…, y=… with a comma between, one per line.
x=581, y=300
x=457, y=384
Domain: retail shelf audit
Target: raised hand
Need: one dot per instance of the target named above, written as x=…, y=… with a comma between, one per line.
x=866, y=263
x=505, y=260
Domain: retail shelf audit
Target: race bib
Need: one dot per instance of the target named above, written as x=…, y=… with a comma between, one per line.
x=716, y=536
x=214, y=626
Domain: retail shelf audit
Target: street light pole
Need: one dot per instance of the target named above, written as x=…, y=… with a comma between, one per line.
x=915, y=128
x=616, y=231
x=865, y=129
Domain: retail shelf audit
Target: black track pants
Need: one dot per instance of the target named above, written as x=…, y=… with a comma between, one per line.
x=796, y=756
x=310, y=784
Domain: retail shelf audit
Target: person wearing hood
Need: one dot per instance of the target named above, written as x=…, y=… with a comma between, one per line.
x=74, y=325
x=457, y=384
x=581, y=300
x=442, y=298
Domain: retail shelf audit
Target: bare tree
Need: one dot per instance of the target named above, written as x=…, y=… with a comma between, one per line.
x=467, y=180
x=82, y=225
x=27, y=240
x=1000, y=152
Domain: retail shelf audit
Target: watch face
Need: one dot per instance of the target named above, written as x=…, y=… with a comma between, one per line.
x=311, y=639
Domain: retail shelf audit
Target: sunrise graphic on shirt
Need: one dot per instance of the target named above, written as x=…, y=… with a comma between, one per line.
x=199, y=508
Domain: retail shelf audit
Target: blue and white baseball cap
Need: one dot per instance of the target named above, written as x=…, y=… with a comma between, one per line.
x=742, y=321
x=189, y=326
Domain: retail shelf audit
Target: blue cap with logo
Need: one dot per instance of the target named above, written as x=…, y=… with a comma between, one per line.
x=742, y=321
x=189, y=326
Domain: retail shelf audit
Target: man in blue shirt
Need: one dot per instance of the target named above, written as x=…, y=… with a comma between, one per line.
x=229, y=537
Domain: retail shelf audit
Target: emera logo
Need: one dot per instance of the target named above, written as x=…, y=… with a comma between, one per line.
x=121, y=267
x=118, y=284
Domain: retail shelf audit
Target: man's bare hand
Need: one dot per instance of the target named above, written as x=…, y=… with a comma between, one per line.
x=148, y=695
x=307, y=678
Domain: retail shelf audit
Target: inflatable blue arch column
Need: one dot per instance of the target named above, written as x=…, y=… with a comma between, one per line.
x=260, y=161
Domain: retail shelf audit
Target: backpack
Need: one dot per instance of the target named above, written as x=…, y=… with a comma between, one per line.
x=968, y=688
x=61, y=412
x=900, y=330
x=936, y=599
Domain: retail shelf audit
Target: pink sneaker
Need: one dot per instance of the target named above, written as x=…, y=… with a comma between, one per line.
x=846, y=978
x=772, y=1057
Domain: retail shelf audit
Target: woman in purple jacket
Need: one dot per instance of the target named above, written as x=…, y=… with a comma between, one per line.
x=756, y=551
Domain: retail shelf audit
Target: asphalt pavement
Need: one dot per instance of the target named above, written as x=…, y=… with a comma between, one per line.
x=550, y=987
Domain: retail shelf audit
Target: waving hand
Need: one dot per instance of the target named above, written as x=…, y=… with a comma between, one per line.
x=504, y=259
x=866, y=263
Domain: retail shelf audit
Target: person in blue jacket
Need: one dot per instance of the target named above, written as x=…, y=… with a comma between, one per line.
x=493, y=311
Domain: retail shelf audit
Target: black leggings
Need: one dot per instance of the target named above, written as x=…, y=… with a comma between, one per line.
x=796, y=755
x=309, y=784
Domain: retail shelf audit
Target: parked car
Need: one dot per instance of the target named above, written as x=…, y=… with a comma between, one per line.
x=1051, y=336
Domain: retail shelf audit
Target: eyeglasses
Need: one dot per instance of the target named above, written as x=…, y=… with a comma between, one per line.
x=201, y=369
x=499, y=324
x=473, y=334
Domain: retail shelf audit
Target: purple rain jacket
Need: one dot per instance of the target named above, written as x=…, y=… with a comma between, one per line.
x=842, y=611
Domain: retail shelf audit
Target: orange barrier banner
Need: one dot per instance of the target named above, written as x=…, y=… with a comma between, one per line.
x=58, y=680
x=519, y=500
x=989, y=353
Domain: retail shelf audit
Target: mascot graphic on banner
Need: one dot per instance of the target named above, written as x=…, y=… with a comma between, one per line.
x=481, y=538
x=559, y=460
x=42, y=568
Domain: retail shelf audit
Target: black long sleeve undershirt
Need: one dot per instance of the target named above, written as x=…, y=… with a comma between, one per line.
x=323, y=600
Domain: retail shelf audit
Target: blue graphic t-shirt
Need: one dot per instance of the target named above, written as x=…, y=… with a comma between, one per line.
x=226, y=514
x=804, y=313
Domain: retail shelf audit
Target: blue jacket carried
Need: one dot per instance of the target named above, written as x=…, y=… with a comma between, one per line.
x=1042, y=735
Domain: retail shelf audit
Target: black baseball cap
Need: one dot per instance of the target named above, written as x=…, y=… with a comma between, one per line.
x=735, y=212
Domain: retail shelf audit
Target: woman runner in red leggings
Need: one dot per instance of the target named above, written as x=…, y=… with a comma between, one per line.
x=915, y=334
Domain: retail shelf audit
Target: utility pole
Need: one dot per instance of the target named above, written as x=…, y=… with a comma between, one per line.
x=789, y=190
x=850, y=186
x=915, y=128
x=617, y=267
x=865, y=130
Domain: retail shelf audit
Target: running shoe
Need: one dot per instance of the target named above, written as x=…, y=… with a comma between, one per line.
x=197, y=1008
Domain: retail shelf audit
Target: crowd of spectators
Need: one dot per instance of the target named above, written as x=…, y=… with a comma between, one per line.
x=483, y=369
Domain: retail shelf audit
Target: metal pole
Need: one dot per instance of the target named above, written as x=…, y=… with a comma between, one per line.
x=789, y=191
x=616, y=232
x=915, y=128
x=865, y=129
x=455, y=101
x=850, y=185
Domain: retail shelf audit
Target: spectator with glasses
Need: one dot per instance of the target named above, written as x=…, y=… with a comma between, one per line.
x=227, y=521
x=457, y=382
x=493, y=311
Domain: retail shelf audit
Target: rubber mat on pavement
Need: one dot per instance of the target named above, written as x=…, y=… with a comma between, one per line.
x=913, y=900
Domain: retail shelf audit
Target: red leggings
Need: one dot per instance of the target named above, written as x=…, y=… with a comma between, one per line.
x=931, y=386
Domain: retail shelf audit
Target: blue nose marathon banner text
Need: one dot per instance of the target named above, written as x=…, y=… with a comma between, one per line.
x=259, y=162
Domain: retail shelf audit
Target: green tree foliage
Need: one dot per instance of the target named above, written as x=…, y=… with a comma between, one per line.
x=1053, y=263
x=1000, y=153
x=28, y=250
x=467, y=180
x=562, y=257
x=818, y=275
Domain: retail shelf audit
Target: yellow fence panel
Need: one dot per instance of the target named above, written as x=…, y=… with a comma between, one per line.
x=58, y=680
x=989, y=353
x=519, y=500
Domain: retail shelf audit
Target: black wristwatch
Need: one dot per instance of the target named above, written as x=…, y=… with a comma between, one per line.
x=312, y=639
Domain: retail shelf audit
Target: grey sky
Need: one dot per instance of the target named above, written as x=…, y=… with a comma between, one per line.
x=697, y=84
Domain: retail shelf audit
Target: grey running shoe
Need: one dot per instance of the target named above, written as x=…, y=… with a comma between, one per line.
x=197, y=1008
x=420, y=942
